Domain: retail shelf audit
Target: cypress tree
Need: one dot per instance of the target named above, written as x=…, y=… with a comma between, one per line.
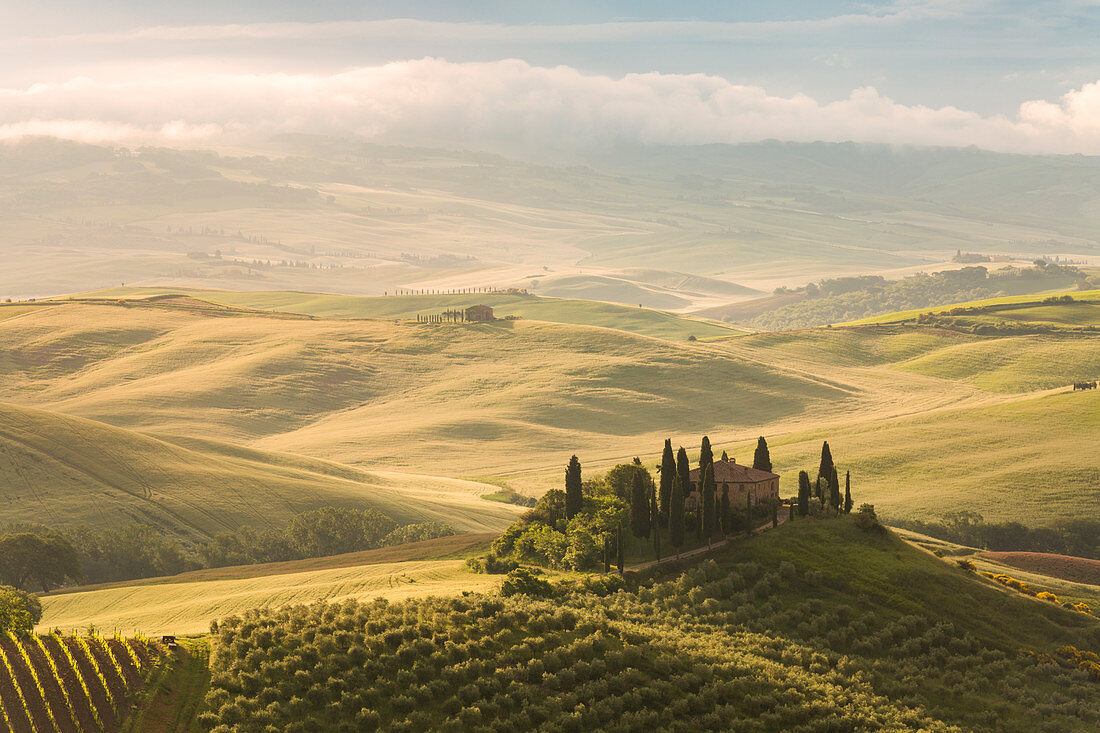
x=573, y=496
x=748, y=514
x=724, y=512
x=654, y=514
x=708, y=503
x=762, y=459
x=803, y=493
x=667, y=475
x=725, y=457
x=639, y=507
x=706, y=456
x=825, y=469
x=683, y=471
x=619, y=552
x=775, y=513
x=606, y=553
x=834, y=491
x=847, y=492
x=790, y=512
x=676, y=517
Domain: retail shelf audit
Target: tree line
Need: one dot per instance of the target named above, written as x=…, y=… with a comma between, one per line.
x=35, y=556
x=1079, y=537
x=850, y=298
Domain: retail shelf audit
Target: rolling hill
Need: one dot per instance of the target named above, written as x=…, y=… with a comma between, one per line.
x=633, y=319
x=66, y=471
x=308, y=213
x=509, y=402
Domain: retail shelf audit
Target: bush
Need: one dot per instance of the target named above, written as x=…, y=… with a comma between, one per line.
x=867, y=520
x=522, y=581
x=19, y=610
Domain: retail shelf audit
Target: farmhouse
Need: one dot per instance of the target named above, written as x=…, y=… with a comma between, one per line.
x=479, y=313
x=741, y=481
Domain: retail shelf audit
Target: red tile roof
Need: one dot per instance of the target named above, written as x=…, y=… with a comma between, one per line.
x=729, y=472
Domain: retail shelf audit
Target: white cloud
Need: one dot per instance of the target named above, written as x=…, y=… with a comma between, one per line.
x=431, y=101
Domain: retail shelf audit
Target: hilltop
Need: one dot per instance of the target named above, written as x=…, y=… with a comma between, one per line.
x=815, y=624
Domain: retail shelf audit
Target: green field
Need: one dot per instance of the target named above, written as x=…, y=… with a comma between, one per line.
x=186, y=604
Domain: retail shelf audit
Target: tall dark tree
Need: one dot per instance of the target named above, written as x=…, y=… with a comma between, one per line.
x=708, y=502
x=683, y=471
x=803, y=493
x=825, y=469
x=676, y=516
x=654, y=518
x=725, y=457
x=835, y=502
x=607, y=553
x=573, y=496
x=706, y=456
x=748, y=514
x=619, y=551
x=667, y=475
x=762, y=459
x=847, y=492
x=724, y=510
x=775, y=513
x=639, y=507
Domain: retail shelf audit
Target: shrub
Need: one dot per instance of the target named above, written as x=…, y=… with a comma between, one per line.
x=522, y=581
x=867, y=520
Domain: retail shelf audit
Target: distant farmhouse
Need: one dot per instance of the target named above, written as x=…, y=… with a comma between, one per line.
x=479, y=313
x=742, y=481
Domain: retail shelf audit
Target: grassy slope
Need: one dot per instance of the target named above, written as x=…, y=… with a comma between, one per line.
x=186, y=604
x=884, y=573
x=63, y=471
x=644, y=321
x=1044, y=577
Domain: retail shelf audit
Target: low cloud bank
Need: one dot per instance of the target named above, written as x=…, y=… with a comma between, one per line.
x=432, y=101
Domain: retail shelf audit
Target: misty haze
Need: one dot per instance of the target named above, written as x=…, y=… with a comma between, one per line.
x=598, y=366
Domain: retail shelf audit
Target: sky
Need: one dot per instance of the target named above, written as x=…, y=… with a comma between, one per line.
x=1010, y=76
